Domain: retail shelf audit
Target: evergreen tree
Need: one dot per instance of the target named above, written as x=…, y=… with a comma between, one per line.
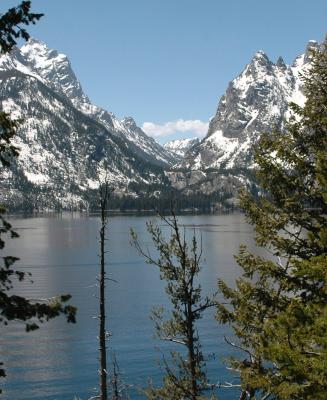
x=12, y=25
x=179, y=265
x=15, y=307
x=278, y=309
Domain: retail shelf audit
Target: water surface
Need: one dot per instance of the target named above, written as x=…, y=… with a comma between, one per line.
x=60, y=361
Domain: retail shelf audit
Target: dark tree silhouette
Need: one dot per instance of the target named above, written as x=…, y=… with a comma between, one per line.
x=15, y=307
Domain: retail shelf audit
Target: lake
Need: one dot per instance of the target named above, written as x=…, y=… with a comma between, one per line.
x=60, y=360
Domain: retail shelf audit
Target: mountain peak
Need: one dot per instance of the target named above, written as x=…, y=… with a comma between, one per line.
x=260, y=53
x=280, y=63
x=54, y=67
x=129, y=122
x=311, y=46
x=35, y=46
x=260, y=59
x=312, y=43
x=34, y=41
x=260, y=64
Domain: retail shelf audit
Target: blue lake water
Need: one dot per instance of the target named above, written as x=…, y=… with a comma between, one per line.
x=60, y=361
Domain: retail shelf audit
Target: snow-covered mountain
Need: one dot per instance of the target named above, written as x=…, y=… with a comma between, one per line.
x=255, y=101
x=57, y=72
x=67, y=144
x=181, y=146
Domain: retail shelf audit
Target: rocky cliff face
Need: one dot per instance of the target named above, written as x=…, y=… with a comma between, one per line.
x=57, y=72
x=256, y=101
x=67, y=145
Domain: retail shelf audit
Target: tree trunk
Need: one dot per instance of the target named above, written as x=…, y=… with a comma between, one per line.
x=102, y=316
x=190, y=346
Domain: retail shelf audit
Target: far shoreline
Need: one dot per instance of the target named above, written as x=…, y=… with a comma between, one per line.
x=113, y=213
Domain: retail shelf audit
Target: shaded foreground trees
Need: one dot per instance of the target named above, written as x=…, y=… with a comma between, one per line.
x=179, y=265
x=278, y=310
x=13, y=23
x=14, y=307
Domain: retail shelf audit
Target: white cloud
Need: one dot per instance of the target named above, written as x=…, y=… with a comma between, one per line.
x=191, y=127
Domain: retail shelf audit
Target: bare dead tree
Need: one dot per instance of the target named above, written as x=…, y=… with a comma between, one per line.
x=104, y=193
x=118, y=389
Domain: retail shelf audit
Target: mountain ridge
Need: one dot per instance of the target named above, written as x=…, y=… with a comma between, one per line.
x=255, y=101
x=69, y=144
x=66, y=151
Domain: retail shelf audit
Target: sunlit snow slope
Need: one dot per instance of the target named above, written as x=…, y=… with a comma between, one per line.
x=256, y=101
x=67, y=145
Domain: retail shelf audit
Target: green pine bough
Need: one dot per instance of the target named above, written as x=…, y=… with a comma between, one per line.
x=278, y=310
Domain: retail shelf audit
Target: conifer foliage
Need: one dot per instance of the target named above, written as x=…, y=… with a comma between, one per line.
x=278, y=309
x=13, y=306
x=179, y=263
x=13, y=23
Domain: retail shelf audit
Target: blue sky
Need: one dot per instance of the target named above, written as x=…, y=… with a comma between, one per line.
x=167, y=62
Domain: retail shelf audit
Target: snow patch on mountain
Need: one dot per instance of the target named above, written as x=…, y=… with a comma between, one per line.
x=56, y=71
x=255, y=101
x=181, y=146
x=54, y=68
x=67, y=145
